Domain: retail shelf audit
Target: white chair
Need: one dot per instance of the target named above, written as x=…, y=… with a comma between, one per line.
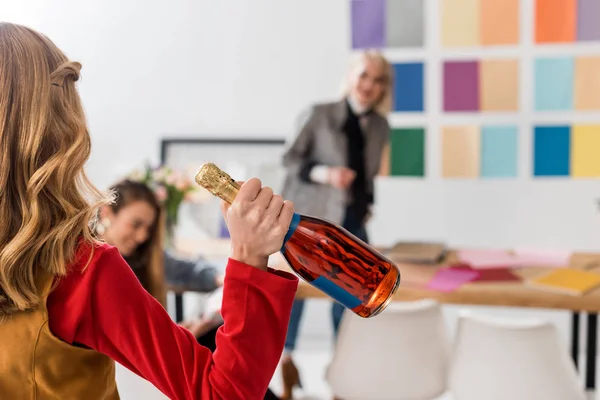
x=500, y=359
x=399, y=354
x=133, y=387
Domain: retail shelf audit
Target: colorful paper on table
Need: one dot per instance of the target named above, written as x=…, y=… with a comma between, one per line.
x=405, y=23
x=448, y=280
x=542, y=258
x=407, y=152
x=461, y=86
x=588, y=13
x=499, y=85
x=499, y=22
x=585, y=142
x=554, y=84
x=368, y=23
x=460, y=23
x=461, y=152
x=555, y=21
x=408, y=87
x=487, y=258
x=551, y=150
x=568, y=280
x=491, y=274
x=499, y=151
x=587, y=82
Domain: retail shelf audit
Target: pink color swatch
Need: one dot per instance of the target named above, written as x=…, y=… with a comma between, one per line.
x=449, y=279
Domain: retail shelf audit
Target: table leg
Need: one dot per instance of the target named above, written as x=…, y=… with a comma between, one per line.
x=592, y=338
x=178, y=307
x=575, y=339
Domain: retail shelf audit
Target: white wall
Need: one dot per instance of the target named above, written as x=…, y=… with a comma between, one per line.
x=245, y=68
x=191, y=67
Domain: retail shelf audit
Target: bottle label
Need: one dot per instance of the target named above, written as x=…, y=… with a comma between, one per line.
x=292, y=229
x=337, y=293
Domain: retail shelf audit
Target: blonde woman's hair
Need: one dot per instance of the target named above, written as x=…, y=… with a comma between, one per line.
x=385, y=103
x=46, y=201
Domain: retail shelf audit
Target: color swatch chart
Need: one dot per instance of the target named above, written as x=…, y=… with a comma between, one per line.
x=494, y=59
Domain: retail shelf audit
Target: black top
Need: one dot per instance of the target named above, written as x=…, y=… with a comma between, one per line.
x=359, y=199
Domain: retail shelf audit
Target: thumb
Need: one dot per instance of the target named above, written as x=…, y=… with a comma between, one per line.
x=224, y=208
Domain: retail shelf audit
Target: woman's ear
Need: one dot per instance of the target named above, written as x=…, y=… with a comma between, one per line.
x=104, y=220
x=106, y=212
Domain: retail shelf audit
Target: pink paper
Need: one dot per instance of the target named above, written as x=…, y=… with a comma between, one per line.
x=488, y=258
x=543, y=258
x=448, y=279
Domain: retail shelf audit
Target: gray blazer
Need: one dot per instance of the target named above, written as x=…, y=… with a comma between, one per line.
x=320, y=139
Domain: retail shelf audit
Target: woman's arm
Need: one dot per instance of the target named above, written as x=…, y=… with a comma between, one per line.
x=106, y=309
x=199, y=276
x=295, y=155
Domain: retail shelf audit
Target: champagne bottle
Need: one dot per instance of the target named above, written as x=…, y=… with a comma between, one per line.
x=325, y=255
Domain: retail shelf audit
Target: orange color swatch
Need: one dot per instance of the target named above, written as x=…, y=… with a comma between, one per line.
x=461, y=152
x=555, y=21
x=587, y=83
x=499, y=23
x=499, y=85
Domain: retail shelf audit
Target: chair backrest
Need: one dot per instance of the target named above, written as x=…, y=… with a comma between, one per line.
x=400, y=354
x=499, y=359
x=133, y=387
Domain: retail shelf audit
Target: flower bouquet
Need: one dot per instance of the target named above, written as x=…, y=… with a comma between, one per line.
x=172, y=188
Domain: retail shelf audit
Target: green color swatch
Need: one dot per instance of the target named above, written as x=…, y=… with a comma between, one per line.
x=407, y=156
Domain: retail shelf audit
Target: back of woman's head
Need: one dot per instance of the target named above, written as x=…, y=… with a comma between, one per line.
x=44, y=194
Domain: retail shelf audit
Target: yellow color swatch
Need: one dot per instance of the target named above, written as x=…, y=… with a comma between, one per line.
x=499, y=85
x=461, y=149
x=499, y=22
x=585, y=151
x=568, y=280
x=587, y=83
x=460, y=23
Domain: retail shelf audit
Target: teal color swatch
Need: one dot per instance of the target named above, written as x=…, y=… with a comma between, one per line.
x=554, y=84
x=499, y=152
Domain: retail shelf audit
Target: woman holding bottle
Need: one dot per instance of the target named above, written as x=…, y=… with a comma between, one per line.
x=331, y=164
x=70, y=305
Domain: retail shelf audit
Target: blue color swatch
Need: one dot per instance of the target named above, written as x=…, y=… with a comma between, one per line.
x=551, y=150
x=408, y=87
x=554, y=84
x=499, y=151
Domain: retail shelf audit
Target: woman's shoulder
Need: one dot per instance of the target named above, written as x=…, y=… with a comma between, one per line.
x=88, y=254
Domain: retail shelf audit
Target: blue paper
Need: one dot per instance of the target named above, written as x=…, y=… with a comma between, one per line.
x=408, y=87
x=551, y=150
x=499, y=151
x=554, y=84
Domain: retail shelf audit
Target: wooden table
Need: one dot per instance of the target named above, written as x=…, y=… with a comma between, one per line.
x=414, y=277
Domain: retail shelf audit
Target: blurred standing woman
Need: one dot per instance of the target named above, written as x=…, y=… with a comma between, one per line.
x=331, y=164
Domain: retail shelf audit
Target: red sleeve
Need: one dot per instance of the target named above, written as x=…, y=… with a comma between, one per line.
x=105, y=308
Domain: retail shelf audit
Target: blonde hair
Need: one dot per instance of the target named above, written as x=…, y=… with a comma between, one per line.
x=384, y=104
x=47, y=203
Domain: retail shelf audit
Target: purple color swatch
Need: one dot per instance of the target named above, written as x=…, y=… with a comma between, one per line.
x=450, y=279
x=588, y=20
x=368, y=23
x=461, y=86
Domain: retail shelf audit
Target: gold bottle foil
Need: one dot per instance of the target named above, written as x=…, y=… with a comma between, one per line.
x=218, y=182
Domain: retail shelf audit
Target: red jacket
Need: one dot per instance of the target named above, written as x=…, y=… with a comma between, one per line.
x=104, y=307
